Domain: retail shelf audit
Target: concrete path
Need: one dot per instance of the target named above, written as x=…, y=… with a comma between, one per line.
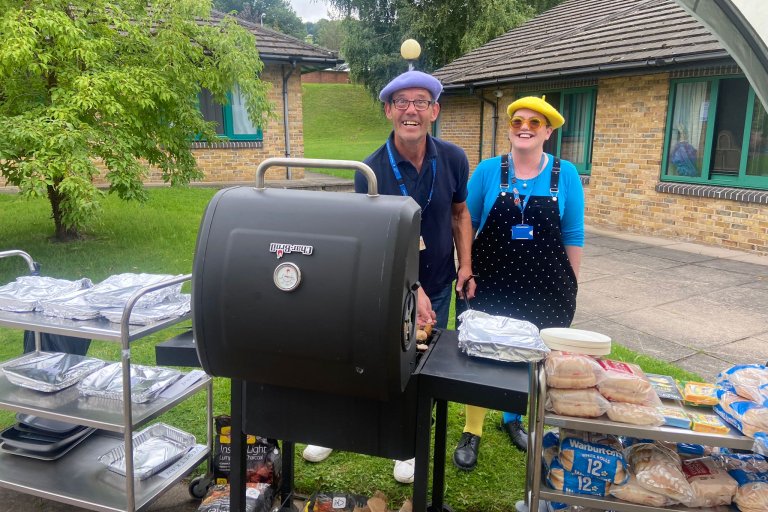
x=699, y=307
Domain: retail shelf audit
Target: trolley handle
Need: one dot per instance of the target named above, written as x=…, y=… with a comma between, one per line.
x=34, y=267
x=373, y=187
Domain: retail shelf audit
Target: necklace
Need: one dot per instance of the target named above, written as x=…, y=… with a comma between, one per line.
x=524, y=182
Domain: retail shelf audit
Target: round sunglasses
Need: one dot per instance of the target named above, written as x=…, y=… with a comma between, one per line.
x=534, y=123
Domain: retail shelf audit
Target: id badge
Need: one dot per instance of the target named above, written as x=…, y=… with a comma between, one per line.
x=422, y=245
x=522, y=232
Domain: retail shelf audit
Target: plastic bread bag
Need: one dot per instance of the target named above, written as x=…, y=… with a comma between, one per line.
x=658, y=469
x=745, y=428
x=258, y=498
x=752, y=495
x=751, y=462
x=609, y=440
x=626, y=382
x=593, y=460
x=635, y=414
x=570, y=483
x=712, y=486
x=747, y=380
x=743, y=409
x=581, y=403
x=500, y=338
x=565, y=370
x=550, y=446
x=633, y=492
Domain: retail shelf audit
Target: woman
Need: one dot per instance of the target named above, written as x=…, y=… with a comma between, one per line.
x=528, y=210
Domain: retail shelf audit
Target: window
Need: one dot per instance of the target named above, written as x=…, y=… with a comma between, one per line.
x=573, y=141
x=231, y=119
x=717, y=134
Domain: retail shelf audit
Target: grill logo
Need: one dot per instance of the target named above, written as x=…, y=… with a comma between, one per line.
x=281, y=249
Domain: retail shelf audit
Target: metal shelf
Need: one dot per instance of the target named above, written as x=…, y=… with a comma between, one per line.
x=100, y=329
x=734, y=440
x=67, y=405
x=79, y=479
x=609, y=503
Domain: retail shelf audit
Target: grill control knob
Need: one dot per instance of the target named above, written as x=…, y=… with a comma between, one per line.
x=287, y=276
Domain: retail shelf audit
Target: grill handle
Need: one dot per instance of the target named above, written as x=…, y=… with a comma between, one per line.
x=373, y=187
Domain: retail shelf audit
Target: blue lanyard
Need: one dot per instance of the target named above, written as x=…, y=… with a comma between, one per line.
x=517, y=192
x=401, y=183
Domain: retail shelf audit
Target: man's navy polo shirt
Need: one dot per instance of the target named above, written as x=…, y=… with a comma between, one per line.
x=436, y=263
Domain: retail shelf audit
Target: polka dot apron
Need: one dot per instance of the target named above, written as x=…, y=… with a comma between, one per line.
x=525, y=279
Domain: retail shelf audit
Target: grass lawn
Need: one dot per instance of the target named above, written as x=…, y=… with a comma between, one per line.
x=341, y=121
x=159, y=237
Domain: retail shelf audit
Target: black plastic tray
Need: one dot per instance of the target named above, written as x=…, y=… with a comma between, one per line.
x=45, y=424
x=39, y=442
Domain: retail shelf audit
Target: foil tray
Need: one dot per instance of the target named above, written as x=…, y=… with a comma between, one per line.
x=50, y=371
x=154, y=449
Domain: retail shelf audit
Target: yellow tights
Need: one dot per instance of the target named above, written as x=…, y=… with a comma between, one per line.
x=475, y=416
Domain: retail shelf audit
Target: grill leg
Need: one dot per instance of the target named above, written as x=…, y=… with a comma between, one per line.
x=239, y=455
x=423, y=434
x=286, y=486
x=438, y=471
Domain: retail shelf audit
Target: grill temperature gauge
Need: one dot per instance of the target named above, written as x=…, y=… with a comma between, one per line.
x=287, y=276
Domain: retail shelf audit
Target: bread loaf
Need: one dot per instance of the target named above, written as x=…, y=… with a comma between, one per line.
x=711, y=485
x=658, y=469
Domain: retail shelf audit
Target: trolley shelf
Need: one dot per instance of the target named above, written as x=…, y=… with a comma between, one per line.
x=734, y=440
x=99, y=329
x=106, y=414
x=610, y=503
x=79, y=479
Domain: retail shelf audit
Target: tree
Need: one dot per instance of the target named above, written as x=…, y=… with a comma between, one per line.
x=90, y=84
x=446, y=29
x=329, y=34
x=278, y=14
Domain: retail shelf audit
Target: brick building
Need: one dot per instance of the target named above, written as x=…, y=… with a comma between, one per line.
x=664, y=128
x=285, y=58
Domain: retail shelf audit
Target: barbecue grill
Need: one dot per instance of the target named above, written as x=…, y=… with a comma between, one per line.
x=310, y=299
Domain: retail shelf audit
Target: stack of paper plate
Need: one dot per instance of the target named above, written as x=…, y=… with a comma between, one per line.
x=577, y=341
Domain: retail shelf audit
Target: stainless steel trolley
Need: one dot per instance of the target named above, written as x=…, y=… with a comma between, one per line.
x=77, y=478
x=536, y=492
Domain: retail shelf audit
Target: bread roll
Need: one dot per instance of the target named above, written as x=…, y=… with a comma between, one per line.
x=658, y=469
x=595, y=460
x=571, y=371
x=582, y=403
x=633, y=492
x=635, y=414
x=711, y=485
x=626, y=382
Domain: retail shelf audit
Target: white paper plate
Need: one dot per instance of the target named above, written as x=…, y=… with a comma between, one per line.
x=577, y=341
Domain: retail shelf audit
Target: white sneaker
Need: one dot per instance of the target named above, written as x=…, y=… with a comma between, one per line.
x=314, y=453
x=403, y=471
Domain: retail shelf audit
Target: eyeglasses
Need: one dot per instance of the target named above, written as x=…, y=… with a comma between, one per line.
x=534, y=123
x=420, y=105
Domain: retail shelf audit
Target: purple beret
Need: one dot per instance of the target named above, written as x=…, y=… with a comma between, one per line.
x=412, y=79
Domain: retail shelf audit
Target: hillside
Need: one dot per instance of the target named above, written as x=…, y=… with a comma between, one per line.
x=341, y=121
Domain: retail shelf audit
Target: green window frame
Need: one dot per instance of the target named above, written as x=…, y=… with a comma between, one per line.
x=574, y=140
x=231, y=119
x=728, y=143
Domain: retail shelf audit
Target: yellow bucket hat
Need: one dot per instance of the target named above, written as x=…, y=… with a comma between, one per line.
x=539, y=105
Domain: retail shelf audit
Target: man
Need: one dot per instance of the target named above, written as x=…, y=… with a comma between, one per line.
x=434, y=173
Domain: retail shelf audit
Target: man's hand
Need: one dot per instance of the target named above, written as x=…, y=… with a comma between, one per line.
x=465, y=279
x=424, y=313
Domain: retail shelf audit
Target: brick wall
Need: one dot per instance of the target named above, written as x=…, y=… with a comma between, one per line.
x=626, y=162
x=629, y=139
x=326, y=77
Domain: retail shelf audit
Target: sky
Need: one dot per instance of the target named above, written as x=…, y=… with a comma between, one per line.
x=310, y=10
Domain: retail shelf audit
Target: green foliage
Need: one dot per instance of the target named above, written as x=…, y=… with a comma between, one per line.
x=329, y=34
x=89, y=81
x=361, y=124
x=445, y=29
x=278, y=14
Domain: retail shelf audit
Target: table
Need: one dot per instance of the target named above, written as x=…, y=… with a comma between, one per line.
x=448, y=375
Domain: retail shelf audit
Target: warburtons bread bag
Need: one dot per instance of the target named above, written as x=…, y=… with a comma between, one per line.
x=570, y=483
x=593, y=460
